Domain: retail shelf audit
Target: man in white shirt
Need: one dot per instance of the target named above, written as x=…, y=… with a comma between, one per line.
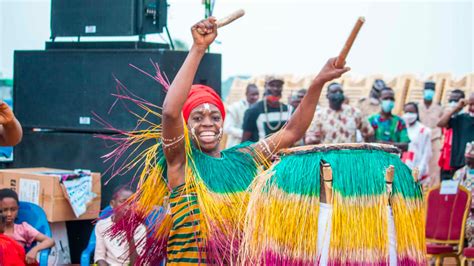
x=117, y=250
x=235, y=116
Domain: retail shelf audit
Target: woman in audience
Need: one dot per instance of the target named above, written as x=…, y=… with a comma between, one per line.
x=23, y=233
x=419, y=150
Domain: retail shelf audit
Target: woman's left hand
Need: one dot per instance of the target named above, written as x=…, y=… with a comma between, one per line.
x=330, y=71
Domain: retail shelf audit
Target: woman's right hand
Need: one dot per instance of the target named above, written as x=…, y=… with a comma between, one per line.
x=204, y=32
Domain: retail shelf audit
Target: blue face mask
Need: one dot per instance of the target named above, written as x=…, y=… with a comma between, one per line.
x=387, y=105
x=428, y=95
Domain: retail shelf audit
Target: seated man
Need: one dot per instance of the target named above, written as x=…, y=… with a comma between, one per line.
x=117, y=250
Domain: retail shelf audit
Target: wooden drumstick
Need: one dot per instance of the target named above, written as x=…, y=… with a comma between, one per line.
x=327, y=177
x=389, y=174
x=226, y=20
x=230, y=18
x=347, y=46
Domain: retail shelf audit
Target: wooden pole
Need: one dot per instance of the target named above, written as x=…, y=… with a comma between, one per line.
x=389, y=174
x=227, y=20
x=349, y=42
x=327, y=177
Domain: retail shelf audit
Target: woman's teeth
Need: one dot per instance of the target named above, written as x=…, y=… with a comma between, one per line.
x=207, y=133
x=207, y=136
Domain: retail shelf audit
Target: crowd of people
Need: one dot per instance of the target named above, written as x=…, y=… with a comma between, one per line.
x=437, y=140
x=432, y=137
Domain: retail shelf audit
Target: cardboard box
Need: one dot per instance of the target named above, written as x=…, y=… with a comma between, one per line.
x=42, y=187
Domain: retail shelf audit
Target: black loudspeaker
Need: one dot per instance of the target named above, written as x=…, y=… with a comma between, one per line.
x=59, y=89
x=107, y=17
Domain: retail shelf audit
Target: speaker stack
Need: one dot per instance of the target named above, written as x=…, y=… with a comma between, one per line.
x=57, y=91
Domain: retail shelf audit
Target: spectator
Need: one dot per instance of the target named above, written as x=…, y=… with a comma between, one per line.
x=466, y=177
x=389, y=128
x=268, y=115
x=371, y=105
x=11, y=253
x=338, y=123
x=117, y=250
x=295, y=99
x=430, y=113
x=445, y=158
x=10, y=129
x=463, y=129
x=23, y=233
x=419, y=150
x=235, y=116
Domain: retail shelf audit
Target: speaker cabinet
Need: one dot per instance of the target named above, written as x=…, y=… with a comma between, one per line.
x=61, y=89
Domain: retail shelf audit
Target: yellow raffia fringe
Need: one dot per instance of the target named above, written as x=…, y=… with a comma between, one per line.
x=411, y=235
x=359, y=229
x=271, y=209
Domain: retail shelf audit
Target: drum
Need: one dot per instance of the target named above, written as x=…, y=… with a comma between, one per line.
x=343, y=204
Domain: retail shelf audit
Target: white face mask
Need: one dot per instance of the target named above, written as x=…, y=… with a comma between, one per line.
x=409, y=118
x=452, y=104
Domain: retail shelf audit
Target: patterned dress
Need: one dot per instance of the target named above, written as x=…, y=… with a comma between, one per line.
x=467, y=181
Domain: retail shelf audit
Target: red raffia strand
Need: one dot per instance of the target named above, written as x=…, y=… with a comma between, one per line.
x=126, y=157
x=159, y=76
x=124, y=140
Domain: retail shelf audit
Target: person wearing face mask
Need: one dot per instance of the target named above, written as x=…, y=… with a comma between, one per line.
x=444, y=160
x=389, y=128
x=203, y=189
x=454, y=97
x=419, y=150
x=430, y=113
x=463, y=129
x=371, y=105
x=466, y=177
x=338, y=123
x=268, y=115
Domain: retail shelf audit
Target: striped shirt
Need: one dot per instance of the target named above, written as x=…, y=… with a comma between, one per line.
x=185, y=245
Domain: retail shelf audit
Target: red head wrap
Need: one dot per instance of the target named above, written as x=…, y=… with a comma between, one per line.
x=200, y=94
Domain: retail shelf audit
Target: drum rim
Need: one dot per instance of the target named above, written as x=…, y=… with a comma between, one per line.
x=340, y=146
